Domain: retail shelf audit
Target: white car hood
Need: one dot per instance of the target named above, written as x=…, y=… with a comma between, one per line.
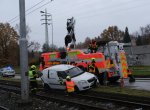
x=84, y=76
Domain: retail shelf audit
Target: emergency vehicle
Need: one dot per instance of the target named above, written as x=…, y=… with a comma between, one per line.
x=115, y=56
x=111, y=61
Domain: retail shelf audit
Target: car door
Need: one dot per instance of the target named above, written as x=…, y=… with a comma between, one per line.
x=61, y=79
x=53, y=79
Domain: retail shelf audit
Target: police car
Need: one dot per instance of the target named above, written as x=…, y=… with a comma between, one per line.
x=53, y=77
x=7, y=71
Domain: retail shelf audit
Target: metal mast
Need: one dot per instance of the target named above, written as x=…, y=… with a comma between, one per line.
x=45, y=14
x=23, y=54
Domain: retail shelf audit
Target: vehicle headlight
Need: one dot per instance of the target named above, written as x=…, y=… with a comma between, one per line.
x=83, y=82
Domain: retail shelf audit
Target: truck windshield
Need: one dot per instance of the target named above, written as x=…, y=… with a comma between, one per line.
x=75, y=71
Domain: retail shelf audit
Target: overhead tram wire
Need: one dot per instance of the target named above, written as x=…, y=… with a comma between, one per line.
x=107, y=7
x=34, y=10
x=81, y=14
x=101, y=8
x=96, y=12
x=112, y=11
x=38, y=8
x=11, y=20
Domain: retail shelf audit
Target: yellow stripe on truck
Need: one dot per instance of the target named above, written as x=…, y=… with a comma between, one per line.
x=124, y=65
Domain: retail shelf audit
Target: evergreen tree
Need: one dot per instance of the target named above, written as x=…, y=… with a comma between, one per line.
x=126, y=38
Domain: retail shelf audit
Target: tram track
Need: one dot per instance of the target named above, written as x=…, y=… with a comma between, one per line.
x=116, y=96
x=54, y=98
x=92, y=100
x=3, y=108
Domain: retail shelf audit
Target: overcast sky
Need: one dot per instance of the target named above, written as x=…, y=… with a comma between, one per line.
x=92, y=16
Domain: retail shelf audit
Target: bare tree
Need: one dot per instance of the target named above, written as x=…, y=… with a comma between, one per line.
x=112, y=33
x=8, y=42
x=32, y=45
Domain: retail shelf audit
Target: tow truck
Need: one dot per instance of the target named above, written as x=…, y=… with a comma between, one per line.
x=112, y=54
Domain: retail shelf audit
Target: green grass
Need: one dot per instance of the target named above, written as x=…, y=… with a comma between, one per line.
x=140, y=67
x=141, y=73
x=17, y=69
x=126, y=91
x=9, y=79
x=140, y=70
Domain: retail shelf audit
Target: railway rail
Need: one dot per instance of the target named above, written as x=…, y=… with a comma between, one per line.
x=54, y=98
x=93, y=101
x=3, y=108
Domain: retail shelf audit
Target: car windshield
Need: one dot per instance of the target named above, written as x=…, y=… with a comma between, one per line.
x=75, y=71
x=7, y=69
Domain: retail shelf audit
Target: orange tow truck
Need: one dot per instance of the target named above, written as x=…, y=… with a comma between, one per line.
x=115, y=55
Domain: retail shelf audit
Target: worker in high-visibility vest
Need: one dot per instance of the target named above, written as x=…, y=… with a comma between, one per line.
x=92, y=68
x=32, y=76
x=112, y=69
x=93, y=46
x=70, y=85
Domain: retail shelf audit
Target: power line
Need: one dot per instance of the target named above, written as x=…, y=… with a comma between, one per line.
x=35, y=5
x=27, y=10
x=39, y=7
x=112, y=11
x=102, y=9
x=80, y=4
x=13, y=19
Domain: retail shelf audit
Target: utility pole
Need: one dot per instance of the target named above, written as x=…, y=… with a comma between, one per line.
x=23, y=54
x=46, y=23
x=52, y=33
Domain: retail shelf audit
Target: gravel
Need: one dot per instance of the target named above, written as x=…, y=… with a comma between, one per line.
x=10, y=101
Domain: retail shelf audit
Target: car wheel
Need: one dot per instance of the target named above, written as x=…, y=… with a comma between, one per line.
x=46, y=87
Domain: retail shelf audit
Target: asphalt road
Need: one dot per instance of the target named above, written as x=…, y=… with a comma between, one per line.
x=141, y=84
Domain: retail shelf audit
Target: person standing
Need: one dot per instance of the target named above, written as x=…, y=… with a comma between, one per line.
x=93, y=46
x=92, y=68
x=70, y=85
x=32, y=76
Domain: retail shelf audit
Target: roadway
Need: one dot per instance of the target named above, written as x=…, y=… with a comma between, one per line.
x=140, y=83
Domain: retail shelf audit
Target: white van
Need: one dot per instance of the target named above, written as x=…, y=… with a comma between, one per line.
x=53, y=76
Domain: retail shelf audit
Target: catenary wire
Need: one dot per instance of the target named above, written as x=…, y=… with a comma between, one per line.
x=113, y=11
x=82, y=17
x=34, y=10
x=26, y=10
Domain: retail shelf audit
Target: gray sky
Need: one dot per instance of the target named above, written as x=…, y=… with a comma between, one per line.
x=92, y=16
